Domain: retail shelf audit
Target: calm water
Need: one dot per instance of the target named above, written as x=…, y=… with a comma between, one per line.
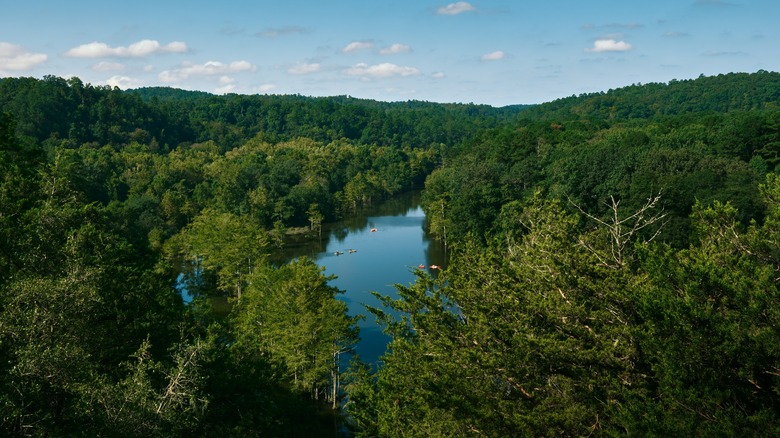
x=383, y=258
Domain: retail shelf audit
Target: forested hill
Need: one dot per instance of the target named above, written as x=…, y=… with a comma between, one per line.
x=412, y=123
x=711, y=138
x=614, y=263
x=717, y=94
x=614, y=270
x=82, y=113
x=175, y=94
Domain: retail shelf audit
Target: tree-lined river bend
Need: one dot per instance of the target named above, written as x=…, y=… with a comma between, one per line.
x=373, y=250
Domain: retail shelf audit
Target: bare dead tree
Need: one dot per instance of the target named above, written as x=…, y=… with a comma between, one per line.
x=622, y=231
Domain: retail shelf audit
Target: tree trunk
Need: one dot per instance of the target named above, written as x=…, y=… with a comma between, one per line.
x=335, y=377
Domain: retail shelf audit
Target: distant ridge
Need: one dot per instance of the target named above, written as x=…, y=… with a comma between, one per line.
x=171, y=94
x=69, y=109
x=722, y=93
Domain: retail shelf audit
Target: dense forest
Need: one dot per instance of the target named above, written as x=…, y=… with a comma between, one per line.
x=614, y=263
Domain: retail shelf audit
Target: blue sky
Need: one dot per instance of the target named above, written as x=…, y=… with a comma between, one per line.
x=496, y=52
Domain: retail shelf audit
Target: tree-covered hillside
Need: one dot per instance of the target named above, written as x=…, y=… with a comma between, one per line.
x=59, y=109
x=708, y=139
x=614, y=272
x=716, y=94
x=614, y=263
x=411, y=123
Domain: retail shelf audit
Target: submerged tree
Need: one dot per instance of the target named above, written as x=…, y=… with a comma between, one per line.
x=221, y=244
x=293, y=317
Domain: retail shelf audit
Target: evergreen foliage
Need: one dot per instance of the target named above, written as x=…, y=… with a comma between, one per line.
x=614, y=263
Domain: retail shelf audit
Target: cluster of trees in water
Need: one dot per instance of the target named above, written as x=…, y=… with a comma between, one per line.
x=614, y=263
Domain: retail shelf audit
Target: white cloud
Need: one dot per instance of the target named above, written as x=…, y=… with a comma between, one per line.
x=104, y=66
x=225, y=89
x=383, y=70
x=609, y=45
x=395, y=48
x=265, y=88
x=122, y=82
x=455, y=8
x=210, y=68
x=357, y=45
x=304, y=68
x=141, y=48
x=438, y=75
x=16, y=58
x=493, y=56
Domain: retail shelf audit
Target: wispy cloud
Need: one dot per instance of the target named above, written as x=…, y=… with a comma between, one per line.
x=104, y=66
x=232, y=30
x=384, y=70
x=493, y=56
x=395, y=48
x=456, y=8
x=614, y=26
x=139, y=49
x=717, y=53
x=275, y=32
x=304, y=68
x=210, y=68
x=355, y=46
x=609, y=45
x=16, y=58
x=676, y=34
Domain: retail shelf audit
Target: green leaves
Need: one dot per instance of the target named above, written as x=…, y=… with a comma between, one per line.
x=292, y=315
x=221, y=244
x=709, y=330
x=535, y=335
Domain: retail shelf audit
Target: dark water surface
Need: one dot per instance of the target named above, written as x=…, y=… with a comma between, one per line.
x=381, y=259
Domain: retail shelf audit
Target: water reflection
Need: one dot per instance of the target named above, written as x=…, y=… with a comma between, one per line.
x=381, y=258
x=405, y=205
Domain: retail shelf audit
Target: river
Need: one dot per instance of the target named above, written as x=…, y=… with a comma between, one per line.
x=388, y=242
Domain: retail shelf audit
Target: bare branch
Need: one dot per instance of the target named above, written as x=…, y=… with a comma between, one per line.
x=622, y=231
